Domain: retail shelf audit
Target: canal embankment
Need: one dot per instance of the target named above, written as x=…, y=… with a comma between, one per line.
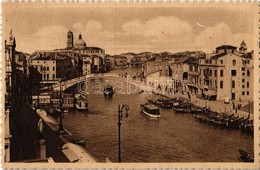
x=66, y=143
x=217, y=106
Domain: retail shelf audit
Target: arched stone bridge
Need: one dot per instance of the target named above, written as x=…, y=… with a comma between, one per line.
x=71, y=82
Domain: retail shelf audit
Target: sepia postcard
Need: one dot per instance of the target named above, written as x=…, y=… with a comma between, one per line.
x=130, y=85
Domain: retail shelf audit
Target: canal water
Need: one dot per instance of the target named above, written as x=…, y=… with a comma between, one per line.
x=172, y=138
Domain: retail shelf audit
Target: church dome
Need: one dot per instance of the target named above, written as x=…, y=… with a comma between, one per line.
x=80, y=43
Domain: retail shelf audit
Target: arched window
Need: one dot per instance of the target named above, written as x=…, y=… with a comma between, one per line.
x=233, y=84
x=185, y=76
x=221, y=84
x=234, y=62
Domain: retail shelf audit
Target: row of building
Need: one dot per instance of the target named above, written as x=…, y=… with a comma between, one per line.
x=24, y=72
x=225, y=73
x=51, y=66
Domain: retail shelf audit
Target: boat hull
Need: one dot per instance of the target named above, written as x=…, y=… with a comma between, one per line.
x=151, y=115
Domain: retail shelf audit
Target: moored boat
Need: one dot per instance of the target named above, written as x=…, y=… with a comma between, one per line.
x=150, y=110
x=246, y=156
x=181, y=109
x=81, y=102
x=108, y=91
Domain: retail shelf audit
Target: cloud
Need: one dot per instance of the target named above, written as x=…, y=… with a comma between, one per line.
x=158, y=27
x=46, y=38
x=159, y=33
x=200, y=25
x=220, y=34
x=155, y=35
x=77, y=26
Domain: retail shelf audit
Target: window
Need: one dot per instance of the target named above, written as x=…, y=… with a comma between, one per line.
x=196, y=68
x=234, y=62
x=233, y=72
x=247, y=84
x=53, y=76
x=243, y=68
x=248, y=72
x=221, y=61
x=41, y=68
x=47, y=75
x=216, y=73
x=210, y=72
x=190, y=68
x=243, y=93
x=243, y=86
x=243, y=74
x=204, y=72
x=221, y=84
x=243, y=80
x=233, y=84
x=47, y=68
x=221, y=73
x=53, y=68
x=247, y=92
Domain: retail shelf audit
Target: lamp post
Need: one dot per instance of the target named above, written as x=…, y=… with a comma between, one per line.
x=249, y=109
x=61, y=129
x=120, y=116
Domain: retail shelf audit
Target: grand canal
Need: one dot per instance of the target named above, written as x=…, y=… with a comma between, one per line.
x=172, y=138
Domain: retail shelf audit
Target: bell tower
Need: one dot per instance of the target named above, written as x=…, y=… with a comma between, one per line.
x=70, y=42
x=243, y=47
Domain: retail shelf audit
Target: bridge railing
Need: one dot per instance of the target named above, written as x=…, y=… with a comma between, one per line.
x=81, y=78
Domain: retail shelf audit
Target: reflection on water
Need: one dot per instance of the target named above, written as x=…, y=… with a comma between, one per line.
x=172, y=138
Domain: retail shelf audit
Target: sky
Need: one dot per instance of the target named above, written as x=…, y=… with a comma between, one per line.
x=119, y=29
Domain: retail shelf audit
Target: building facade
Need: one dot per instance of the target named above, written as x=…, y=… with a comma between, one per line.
x=98, y=61
x=157, y=64
x=52, y=66
x=227, y=74
x=10, y=79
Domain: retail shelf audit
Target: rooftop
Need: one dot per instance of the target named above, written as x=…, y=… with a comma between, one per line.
x=48, y=56
x=85, y=48
x=186, y=60
x=226, y=47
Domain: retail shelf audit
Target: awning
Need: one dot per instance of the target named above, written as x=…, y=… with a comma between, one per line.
x=210, y=93
x=192, y=85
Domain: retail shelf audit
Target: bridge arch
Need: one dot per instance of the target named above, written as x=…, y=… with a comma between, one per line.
x=71, y=82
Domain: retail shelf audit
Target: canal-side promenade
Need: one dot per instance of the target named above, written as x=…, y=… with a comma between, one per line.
x=216, y=106
x=62, y=147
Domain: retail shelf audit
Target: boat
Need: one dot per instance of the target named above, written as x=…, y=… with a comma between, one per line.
x=50, y=110
x=165, y=103
x=150, y=110
x=196, y=110
x=246, y=156
x=81, y=102
x=181, y=109
x=108, y=91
